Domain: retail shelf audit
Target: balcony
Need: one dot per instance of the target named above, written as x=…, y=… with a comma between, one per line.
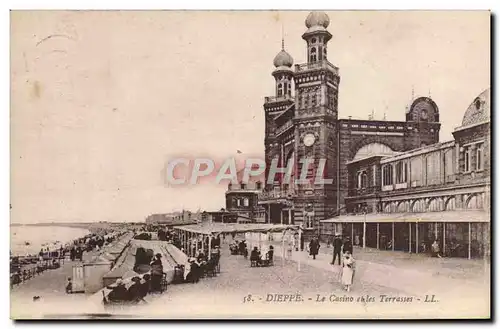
x=272, y=99
x=280, y=196
x=324, y=64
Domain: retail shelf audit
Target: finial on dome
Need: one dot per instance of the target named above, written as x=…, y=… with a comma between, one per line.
x=282, y=37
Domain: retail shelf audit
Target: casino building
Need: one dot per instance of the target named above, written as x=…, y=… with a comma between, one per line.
x=405, y=187
x=302, y=121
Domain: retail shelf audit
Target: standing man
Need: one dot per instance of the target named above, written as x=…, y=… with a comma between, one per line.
x=314, y=247
x=337, y=248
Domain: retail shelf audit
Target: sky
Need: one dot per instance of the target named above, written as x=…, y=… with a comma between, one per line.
x=100, y=101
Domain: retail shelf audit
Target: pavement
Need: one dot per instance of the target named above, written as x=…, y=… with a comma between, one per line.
x=411, y=273
x=313, y=290
x=412, y=294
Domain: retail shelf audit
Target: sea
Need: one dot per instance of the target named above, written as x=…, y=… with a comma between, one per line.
x=28, y=240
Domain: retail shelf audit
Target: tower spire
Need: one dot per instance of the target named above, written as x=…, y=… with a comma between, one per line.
x=282, y=36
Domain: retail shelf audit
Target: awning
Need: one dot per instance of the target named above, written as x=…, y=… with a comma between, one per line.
x=464, y=216
x=216, y=228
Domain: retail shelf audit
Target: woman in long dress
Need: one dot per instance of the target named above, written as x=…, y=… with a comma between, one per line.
x=347, y=271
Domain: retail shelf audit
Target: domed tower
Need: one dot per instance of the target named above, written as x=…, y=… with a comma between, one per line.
x=316, y=134
x=283, y=74
x=279, y=109
x=423, y=121
x=317, y=36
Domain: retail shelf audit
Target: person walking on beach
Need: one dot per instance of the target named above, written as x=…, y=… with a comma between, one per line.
x=347, y=270
x=337, y=248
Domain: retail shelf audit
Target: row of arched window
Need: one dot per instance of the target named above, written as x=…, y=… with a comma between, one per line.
x=475, y=201
x=240, y=202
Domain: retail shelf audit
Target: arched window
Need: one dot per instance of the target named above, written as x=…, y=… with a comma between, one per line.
x=358, y=179
x=324, y=52
x=418, y=206
x=373, y=149
x=364, y=180
x=403, y=206
x=246, y=202
x=475, y=202
x=314, y=55
x=280, y=89
x=450, y=204
x=289, y=89
x=435, y=205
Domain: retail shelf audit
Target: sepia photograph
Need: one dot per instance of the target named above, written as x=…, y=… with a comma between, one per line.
x=264, y=164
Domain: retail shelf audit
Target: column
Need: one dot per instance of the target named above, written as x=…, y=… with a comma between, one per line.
x=409, y=238
x=364, y=234
x=392, y=236
x=469, y=240
x=281, y=216
x=352, y=233
x=444, y=238
x=210, y=246
x=416, y=237
x=378, y=235
x=268, y=214
x=202, y=242
x=290, y=216
x=435, y=231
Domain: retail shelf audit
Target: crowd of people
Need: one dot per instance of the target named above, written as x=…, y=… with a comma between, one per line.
x=136, y=291
x=25, y=268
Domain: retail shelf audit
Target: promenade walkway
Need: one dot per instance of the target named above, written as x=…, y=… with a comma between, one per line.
x=416, y=275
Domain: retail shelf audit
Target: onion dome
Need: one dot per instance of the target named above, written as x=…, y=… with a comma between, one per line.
x=283, y=59
x=317, y=18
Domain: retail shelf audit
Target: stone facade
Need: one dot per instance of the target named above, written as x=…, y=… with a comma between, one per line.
x=305, y=124
x=452, y=177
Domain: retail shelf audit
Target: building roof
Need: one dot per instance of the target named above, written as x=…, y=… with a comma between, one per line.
x=215, y=228
x=478, y=111
x=457, y=216
x=283, y=59
x=317, y=18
